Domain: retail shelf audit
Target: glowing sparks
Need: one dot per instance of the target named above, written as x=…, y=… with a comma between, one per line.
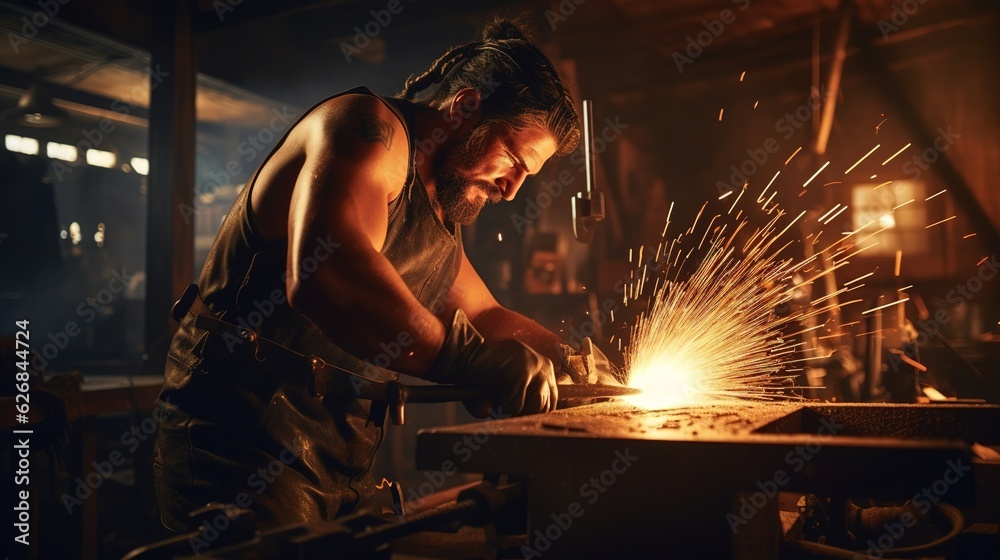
x=935, y=194
x=863, y=158
x=743, y=75
x=849, y=282
x=895, y=154
x=898, y=206
x=913, y=362
x=897, y=302
x=711, y=333
x=968, y=236
x=793, y=155
x=823, y=217
x=940, y=222
x=727, y=314
x=831, y=218
x=735, y=202
x=755, y=104
x=818, y=171
x=772, y=180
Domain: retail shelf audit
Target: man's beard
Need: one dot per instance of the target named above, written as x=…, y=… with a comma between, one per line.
x=453, y=187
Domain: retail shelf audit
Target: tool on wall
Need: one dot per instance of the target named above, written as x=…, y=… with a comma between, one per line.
x=588, y=206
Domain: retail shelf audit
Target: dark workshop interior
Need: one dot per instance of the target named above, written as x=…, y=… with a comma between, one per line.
x=851, y=408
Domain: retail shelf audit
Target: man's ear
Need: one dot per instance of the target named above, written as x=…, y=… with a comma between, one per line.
x=465, y=109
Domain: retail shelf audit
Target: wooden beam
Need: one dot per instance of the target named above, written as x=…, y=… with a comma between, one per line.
x=833, y=80
x=924, y=136
x=169, y=239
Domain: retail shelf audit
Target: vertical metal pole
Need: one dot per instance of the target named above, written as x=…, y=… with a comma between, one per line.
x=588, y=142
x=170, y=238
x=873, y=354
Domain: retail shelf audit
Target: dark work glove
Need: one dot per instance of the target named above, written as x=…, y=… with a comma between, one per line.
x=516, y=378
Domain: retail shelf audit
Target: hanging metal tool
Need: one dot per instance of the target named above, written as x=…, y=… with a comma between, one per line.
x=588, y=206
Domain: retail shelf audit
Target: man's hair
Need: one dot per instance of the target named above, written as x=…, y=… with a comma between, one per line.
x=519, y=85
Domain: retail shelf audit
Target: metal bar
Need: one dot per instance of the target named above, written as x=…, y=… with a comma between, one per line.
x=836, y=72
x=588, y=142
x=450, y=393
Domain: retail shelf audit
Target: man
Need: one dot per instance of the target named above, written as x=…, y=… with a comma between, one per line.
x=345, y=245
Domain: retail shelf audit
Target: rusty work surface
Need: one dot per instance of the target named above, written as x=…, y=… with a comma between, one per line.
x=969, y=422
x=618, y=419
x=670, y=477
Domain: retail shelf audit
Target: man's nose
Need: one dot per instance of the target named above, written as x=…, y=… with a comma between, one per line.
x=510, y=184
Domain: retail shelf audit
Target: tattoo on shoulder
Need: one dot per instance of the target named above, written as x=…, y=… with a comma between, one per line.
x=375, y=129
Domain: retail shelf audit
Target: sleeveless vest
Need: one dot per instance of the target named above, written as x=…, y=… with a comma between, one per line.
x=227, y=416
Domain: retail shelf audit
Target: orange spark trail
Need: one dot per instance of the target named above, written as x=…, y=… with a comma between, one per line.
x=863, y=158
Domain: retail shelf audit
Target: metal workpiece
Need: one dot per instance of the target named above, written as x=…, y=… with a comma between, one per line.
x=610, y=479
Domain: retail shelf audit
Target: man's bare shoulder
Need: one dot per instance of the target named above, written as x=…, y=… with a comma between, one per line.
x=358, y=124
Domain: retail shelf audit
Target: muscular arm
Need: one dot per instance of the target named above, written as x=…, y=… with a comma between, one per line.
x=356, y=159
x=496, y=322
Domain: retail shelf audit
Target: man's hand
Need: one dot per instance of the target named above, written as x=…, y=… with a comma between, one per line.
x=518, y=379
x=588, y=366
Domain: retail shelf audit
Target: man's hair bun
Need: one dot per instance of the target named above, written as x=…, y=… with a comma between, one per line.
x=504, y=30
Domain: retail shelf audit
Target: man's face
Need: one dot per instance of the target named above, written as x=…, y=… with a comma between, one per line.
x=473, y=173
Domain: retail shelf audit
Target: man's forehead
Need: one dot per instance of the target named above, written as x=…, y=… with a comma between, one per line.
x=534, y=143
